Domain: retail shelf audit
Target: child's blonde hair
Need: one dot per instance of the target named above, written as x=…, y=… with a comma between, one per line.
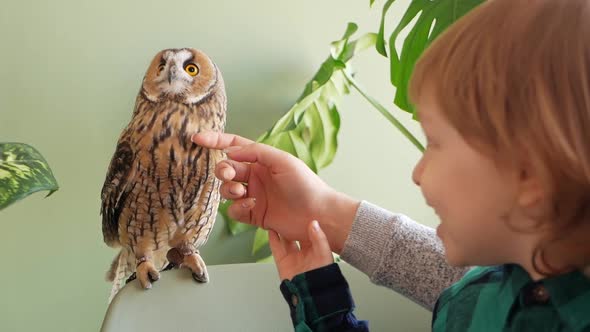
x=513, y=77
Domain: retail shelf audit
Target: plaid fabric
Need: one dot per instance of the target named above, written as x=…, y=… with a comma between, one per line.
x=320, y=300
x=504, y=298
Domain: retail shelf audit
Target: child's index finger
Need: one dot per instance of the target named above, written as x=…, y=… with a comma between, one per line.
x=219, y=141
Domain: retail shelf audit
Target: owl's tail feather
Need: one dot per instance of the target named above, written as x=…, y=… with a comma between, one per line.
x=121, y=269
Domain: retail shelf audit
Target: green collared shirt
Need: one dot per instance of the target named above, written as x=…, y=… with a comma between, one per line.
x=505, y=298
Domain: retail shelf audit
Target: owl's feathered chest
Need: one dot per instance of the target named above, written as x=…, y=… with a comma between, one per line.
x=169, y=178
x=160, y=133
x=157, y=175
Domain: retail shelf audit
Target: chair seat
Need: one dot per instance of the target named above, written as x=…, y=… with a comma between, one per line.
x=244, y=297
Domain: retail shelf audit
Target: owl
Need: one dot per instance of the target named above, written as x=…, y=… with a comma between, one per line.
x=160, y=195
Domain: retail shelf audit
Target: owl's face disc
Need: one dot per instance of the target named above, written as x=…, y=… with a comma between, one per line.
x=184, y=75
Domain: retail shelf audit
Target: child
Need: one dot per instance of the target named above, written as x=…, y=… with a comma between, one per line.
x=503, y=98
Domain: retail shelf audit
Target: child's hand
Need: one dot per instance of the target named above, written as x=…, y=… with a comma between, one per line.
x=272, y=189
x=292, y=260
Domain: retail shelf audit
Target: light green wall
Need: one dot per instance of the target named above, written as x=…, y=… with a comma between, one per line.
x=69, y=73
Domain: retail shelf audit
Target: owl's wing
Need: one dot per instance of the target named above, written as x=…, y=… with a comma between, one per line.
x=202, y=199
x=115, y=190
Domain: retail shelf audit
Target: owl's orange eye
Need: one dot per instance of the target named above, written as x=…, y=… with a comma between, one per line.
x=191, y=69
x=161, y=67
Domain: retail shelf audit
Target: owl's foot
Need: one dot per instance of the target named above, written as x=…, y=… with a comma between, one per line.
x=196, y=264
x=146, y=273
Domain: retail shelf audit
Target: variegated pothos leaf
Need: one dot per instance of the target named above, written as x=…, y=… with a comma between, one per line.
x=23, y=171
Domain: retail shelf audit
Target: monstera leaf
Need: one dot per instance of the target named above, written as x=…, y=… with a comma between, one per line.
x=434, y=16
x=309, y=129
x=23, y=171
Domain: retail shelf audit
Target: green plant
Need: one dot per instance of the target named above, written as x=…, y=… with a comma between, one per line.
x=23, y=171
x=309, y=130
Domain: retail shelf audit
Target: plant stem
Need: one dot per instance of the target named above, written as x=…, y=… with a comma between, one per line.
x=385, y=113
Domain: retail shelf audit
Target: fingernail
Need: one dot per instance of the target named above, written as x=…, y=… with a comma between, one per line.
x=249, y=203
x=236, y=191
x=201, y=135
x=315, y=225
x=232, y=149
x=194, y=137
x=227, y=174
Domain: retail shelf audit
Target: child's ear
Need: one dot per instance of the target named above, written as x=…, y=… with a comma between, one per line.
x=532, y=189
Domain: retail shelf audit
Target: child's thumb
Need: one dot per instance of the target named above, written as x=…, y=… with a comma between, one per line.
x=319, y=243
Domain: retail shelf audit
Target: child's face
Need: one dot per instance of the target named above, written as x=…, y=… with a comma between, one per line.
x=468, y=192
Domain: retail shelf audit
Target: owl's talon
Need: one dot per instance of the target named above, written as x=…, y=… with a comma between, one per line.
x=132, y=277
x=202, y=278
x=153, y=277
x=170, y=266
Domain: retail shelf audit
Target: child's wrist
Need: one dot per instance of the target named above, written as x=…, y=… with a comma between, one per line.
x=336, y=218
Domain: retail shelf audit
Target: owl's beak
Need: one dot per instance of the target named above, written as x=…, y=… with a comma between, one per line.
x=172, y=73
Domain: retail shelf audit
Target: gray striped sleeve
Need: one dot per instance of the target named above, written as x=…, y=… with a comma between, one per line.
x=399, y=253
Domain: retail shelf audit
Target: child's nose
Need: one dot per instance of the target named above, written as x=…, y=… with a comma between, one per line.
x=417, y=173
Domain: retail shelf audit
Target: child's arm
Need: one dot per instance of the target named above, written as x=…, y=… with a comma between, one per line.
x=320, y=300
x=399, y=253
x=392, y=249
x=318, y=295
